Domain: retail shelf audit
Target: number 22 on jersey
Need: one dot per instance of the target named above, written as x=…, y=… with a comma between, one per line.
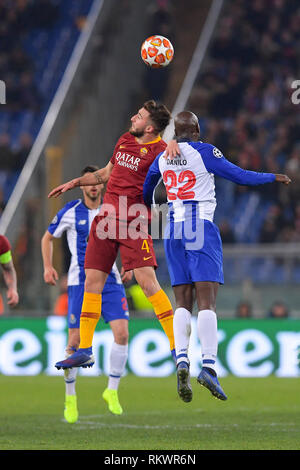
x=182, y=191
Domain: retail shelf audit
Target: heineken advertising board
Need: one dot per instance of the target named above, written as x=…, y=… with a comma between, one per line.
x=247, y=348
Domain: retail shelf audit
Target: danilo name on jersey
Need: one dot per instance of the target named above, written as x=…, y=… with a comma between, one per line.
x=176, y=162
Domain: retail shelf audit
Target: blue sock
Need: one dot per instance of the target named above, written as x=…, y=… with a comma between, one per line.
x=173, y=354
x=86, y=350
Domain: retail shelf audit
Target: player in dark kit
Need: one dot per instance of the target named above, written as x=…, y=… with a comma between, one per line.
x=122, y=224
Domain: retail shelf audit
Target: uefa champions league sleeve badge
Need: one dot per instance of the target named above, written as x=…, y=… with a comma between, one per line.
x=217, y=153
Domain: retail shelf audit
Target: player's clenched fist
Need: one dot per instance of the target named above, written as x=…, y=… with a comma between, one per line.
x=12, y=297
x=50, y=276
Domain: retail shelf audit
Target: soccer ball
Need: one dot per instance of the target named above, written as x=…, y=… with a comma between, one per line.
x=157, y=51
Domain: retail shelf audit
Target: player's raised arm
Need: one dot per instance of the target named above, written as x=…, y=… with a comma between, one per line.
x=216, y=163
x=151, y=181
x=89, y=179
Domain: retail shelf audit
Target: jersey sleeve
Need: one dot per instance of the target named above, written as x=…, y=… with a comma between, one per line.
x=151, y=181
x=61, y=222
x=216, y=163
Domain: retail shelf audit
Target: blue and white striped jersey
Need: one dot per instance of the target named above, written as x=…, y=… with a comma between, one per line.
x=75, y=218
x=190, y=178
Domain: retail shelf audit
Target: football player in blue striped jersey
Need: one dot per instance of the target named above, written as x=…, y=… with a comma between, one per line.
x=192, y=241
x=75, y=218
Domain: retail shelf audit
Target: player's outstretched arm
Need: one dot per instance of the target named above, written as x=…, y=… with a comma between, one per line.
x=216, y=163
x=89, y=179
x=59, y=190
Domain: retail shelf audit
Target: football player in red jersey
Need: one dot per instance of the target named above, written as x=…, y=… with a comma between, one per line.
x=124, y=174
x=9, y=272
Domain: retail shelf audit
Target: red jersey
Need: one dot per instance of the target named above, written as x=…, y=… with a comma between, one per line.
x=122, y=204
x=4, y=245
x=131, y=162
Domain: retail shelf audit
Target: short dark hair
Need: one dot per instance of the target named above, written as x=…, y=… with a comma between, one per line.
x=159, y=114
x=89, y=169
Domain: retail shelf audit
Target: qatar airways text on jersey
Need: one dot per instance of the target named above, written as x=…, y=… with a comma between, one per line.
x=127, y=160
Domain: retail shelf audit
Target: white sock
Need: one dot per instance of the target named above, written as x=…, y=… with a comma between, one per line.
x=118, y=359
x=207, y=334
x=70, y=378
x=182, y=332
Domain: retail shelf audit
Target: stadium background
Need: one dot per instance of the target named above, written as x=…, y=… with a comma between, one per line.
x=74, y=76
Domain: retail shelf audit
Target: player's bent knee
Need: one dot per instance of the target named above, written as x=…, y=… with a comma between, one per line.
x=94, y=281
x=121, y=336
x=146, y=279
x=120, y=331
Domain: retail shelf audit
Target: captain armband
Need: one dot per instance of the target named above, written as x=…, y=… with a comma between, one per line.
x=5, y=257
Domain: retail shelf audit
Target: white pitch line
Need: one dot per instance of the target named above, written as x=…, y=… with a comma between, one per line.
x=86, y=422
x=93, y=425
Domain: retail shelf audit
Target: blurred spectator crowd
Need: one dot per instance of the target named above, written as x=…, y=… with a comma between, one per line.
x=278, y=310
x=17, y=68
x=36, y=40
x=243, y=98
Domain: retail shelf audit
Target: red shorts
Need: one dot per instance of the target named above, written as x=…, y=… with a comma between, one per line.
x=102, y=249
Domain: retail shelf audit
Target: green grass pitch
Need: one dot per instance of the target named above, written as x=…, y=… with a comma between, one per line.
x=260, y=414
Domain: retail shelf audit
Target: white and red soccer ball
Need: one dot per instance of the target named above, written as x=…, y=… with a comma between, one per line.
x=157, y=51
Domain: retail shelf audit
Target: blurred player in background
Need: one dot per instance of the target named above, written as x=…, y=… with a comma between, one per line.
x=124, y=175
x=9, y=272
x=193, y=244
x=76, y=218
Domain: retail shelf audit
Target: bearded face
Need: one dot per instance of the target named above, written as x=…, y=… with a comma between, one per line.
x=140, y=122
